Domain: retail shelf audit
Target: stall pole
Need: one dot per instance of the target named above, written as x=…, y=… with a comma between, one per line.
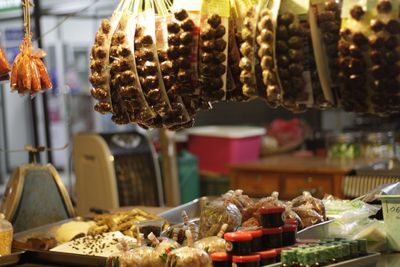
x=37, y=16
x=170, y=168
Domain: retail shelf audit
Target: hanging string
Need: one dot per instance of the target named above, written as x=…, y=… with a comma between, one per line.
x=30, y=148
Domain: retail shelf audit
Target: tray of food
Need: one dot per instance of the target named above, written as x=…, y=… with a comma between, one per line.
x=189, y=233
x=11, y=259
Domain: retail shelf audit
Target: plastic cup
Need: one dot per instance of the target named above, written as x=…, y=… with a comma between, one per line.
x=391, y=216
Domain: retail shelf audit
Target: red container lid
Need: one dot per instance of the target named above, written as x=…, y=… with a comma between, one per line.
x=254, y=233
x=272, y=231
x=289, y=228
x=279, y=250
x=271, y=210
x=268, y=254
x=249, y=258
x=238, y=236
x=220, y=256
x=292, y=221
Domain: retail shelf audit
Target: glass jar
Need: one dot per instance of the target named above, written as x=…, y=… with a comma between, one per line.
x=221, y=259
x=379, y=145
x=344, y=145
x=271, y=217
x=238, y=243
x=289, y=234
x=267, y=257
x=246, y=261
x=6, y=236
x=257, y=241
x=272, y=238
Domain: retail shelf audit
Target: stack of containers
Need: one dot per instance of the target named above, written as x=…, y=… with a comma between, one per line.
x=258, y=247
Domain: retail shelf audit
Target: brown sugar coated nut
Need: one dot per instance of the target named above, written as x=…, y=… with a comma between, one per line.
x=220, y=31
x=357, y=12
x=384, y=6
x=377, y=25
x=393, y=26
x=181, y=15
x=186, y=38
x=391, y=42
x=360, y=39
x=214, y=20
x=376, y=42
x=173, y=27
x=188, y=25
x=220, y=45
x=286, y=19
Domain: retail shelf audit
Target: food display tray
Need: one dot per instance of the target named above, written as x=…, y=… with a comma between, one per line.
x=64, y=259
x=11, y=259
x=370, y=260
x=193, y=208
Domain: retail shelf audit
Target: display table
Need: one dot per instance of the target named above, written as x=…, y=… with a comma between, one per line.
x=291, y=175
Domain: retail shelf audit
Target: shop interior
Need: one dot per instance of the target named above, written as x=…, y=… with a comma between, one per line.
x=293, y=160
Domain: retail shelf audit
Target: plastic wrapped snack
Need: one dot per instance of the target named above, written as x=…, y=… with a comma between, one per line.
x=141, y=256
x=163, y=246
x=213, y=45
x=251, y=215
x=266, y=74
x=147, y=64
x=240, y=200
x=178, y=115
x=188, y=256
x=99, y=61
x=5, y=67
x=368, y=57
x=234, y=85
x=292, y=47
x=215, y=214
x=213, y=244
x=307, y=215
x=247, y=48
x=307, y=199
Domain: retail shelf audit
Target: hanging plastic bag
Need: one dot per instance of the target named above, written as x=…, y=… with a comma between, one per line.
x=5, y=67
x=213, y=45
x=266, y=66
x=292, y=46
x=178, y=115
x=247, y=63
x=147, y=63
x=100, y=61
x=367, y=57
x=325, y=26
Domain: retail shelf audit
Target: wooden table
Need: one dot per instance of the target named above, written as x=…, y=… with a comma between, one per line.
x=291, y=175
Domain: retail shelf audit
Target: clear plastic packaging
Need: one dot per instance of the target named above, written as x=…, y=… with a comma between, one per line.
x=307, y=199
x=178, y=114
x=213, y=244
x=266, y=67
x=100, y=61
x=148, y=66
x=5, y=67
x=213, y=49
x=215, y=214
x=6, y=236
x=163, y=246
x=188, y=256
x=240, y=200
x=142, y=256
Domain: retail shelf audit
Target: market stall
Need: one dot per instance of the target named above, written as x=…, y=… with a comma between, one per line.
x=157, y=64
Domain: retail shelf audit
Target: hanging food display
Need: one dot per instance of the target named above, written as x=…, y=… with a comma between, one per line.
x=4, y=66
x=368, y=57
x=28, y=72
x=157, y=64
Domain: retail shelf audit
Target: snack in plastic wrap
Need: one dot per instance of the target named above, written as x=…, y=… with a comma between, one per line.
x=251, y=216
x=240, y=200
x=308, y=215
x=213, y=244
x=215, y=214
x=100, y=61
x=188, y=256
x=141, y=256
x=163, y=246
x=307, y=199
x=5, y=67
x=266, y=70
x=213, y=53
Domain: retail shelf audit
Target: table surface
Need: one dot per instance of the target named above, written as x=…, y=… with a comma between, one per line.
x=290, y=163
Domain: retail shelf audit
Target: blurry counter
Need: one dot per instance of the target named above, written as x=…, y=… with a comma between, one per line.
x=291, y=175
